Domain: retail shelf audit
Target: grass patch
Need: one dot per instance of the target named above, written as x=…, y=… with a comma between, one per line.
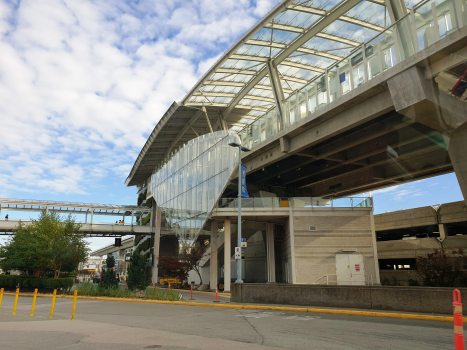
x=92, y=290
x=161, y=294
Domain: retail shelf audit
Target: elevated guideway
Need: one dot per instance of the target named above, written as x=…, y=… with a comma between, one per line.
x=128, y=214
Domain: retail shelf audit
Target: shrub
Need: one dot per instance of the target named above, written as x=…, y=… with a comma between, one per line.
x=137, y=272
x=11, y=281
x=109, y=277
x=143, y=246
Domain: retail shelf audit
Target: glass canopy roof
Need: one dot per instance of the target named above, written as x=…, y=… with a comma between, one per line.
x=299, y=40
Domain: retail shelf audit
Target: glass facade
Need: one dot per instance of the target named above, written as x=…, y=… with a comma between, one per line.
x=189, y=185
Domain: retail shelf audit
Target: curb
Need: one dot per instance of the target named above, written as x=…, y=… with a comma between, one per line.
x=263, y=307
x=200, y=291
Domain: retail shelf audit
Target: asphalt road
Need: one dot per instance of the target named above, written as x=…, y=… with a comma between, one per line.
x=125, y=325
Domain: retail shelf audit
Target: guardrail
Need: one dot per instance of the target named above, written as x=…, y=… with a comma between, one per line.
x=297, y=202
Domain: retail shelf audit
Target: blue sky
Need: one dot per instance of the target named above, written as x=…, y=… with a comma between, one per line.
x=83, y=83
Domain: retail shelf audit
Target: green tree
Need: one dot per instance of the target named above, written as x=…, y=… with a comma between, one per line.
x=109, y=277
x=137, y=272
x=50, y=243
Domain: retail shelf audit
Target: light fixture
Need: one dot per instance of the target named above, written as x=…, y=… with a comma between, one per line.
x=407, y=235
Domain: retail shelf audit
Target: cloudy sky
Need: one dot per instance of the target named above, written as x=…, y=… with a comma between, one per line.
x=83, y=83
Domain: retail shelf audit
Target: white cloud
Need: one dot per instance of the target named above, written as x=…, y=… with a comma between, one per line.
x=82, y=83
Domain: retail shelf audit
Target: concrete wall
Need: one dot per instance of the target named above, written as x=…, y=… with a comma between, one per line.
x=424, y=216
x=409, y=299
x=337, y=230
x=410, y=249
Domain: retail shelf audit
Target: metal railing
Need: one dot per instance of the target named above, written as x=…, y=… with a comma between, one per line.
x=296, y=202
x=332, y=279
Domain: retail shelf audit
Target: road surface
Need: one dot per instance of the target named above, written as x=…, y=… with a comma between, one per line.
x=124, y=325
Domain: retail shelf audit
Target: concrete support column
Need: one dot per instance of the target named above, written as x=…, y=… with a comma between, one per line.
x=157, y=244
x=442, y=232
x=293, y=278
x=375, y=250
x=227, y=255
x=458, y=155
x=270, y=257
x=214, y=261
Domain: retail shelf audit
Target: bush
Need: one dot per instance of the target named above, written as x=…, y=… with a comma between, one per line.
x=143, y=246
x=11, y=281
x=414, y=283
x=137, y=272
x=88, y=289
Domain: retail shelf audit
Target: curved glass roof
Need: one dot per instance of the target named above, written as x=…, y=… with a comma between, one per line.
x=290, y=47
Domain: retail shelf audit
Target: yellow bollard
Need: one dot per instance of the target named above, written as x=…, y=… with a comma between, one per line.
x=16, y=301
x=34, y=302
x=74, y=306
x=53, y=304
x=1, y=297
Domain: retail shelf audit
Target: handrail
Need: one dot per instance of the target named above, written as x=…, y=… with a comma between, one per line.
x=296, y=202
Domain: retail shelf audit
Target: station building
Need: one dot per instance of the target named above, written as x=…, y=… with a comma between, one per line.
x=333, y=100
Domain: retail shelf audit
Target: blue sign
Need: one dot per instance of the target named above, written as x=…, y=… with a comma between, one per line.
x=243, y=239
x=244, y=191
x=342, y=77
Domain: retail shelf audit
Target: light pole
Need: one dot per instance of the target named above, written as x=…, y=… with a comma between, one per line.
x=239, y=227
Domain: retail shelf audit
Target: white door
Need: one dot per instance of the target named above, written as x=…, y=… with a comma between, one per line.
x=349, y=269
x=343, y=269
x=357, y=272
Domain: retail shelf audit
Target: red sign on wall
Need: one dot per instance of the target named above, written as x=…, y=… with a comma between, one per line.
x=357, y=267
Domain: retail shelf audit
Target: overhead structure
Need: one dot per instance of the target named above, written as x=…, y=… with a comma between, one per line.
x=295, y=42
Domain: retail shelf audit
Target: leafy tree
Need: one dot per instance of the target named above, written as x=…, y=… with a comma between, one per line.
x=109, y=277
x=137, y=272
x=50, y=243
x=193, y=259
x=174, y=268
x=442, y=268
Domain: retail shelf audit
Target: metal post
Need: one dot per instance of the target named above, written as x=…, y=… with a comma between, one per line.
x=92, y=215
x=326, y=82
x=239, y=226
x=132, y=217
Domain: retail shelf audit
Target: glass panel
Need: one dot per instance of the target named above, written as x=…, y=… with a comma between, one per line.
x=312, y=105
x=405, y=38
x=426, y=31
x=302, y=104
x=322, y=94
x=344, y=76
x=292, y=106
x=255, y=130
x=373, y=57
x=358, y=69
x=262, y=128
